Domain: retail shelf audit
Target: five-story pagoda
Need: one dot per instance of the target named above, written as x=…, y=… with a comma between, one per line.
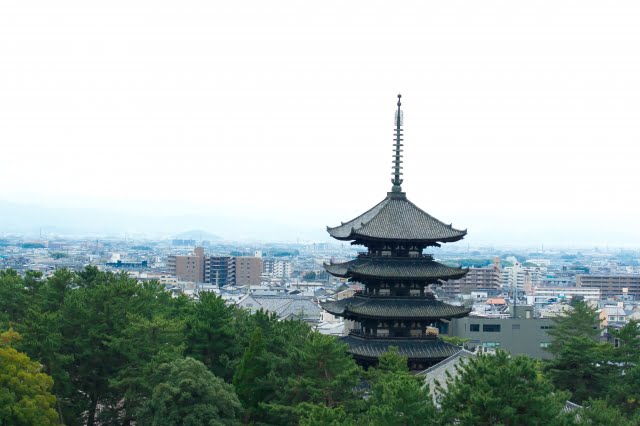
x=396, y=307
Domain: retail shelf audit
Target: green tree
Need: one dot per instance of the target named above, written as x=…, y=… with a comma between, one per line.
x=628, y=350
x=499, y=389
x=321, y=415
x=211, y=335
x=598, y=413
x=25, y=392
x=318, y=372
x=13, y=298
x=185, y=392
x=397, y=397
x=309, y=276
x=580, y=364
x=92, y=318
x=251, y=368
x=144, y=344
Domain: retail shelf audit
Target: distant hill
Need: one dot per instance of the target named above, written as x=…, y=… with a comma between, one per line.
x=198, y=235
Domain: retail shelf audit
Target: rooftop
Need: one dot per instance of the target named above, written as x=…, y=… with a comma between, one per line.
x=396, y=218
x=395, y=308
x=390, y=267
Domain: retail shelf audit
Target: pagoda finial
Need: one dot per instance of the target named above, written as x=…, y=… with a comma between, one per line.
x=397, y=158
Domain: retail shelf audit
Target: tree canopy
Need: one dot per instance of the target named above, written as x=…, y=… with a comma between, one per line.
x=25, y=392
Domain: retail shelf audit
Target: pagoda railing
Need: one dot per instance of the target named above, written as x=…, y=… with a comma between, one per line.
x=361, y=334
x=367, y=255
x=388, y=296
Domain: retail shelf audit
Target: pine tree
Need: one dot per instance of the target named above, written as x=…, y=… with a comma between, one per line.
x=501, y=390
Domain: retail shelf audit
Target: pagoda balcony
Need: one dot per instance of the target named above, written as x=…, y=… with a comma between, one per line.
x=363, y=293
x=367, y=255
x=363, y=335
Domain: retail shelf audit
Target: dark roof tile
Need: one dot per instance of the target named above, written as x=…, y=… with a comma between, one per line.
x=396, y=218
x=394, y=308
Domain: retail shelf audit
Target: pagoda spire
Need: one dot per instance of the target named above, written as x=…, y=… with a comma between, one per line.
x=397, y=155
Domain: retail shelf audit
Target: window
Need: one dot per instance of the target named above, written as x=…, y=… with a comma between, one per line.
x=544, y=344
x=546, y=327
x=491, y=328
x=515, y=326
x=474, y=327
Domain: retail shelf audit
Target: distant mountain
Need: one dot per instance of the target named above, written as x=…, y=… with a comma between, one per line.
x=31, y=219
x=198, y=235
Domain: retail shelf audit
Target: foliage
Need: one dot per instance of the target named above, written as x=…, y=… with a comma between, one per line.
x=624, y=390
x=25, y=392
x=309, y=276
x=499, y=389
x=397, y=397
x=317, y=372
x=251, y=368
x=598, y=413
x=474, y=263
x=13, y=298
x=210, y=335
x=185, y=392
x=580, y=364
x=321, y=415
x=455, y=340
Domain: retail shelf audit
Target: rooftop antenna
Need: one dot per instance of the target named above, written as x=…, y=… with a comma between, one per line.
x=397, y=158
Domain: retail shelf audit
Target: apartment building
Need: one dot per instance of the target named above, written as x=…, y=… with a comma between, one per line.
x=276, y=268
x=220, y=270
x=247, y=270
x=611, y=285
x=188, y=268
x=486, y=279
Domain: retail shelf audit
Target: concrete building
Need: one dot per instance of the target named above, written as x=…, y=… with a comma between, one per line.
x=188, y=268
x=487, y=279
x=247, y=270
x=611, y=285
x=276, y=268
x=219, y=270
x=521, y=277
x=541, y=295
x=524, y=335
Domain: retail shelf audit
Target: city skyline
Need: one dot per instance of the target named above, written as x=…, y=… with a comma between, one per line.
x=223, y=115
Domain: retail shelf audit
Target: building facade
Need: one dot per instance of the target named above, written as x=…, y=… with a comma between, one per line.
x=247, y=270
x=612, y=285
x=526, y=336
x=219, y=270
x=276, y=268
x=188, y=268
x=477, y=279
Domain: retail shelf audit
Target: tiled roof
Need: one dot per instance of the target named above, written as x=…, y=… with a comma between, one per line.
x=394, y=308
x=418, y=267
x=396, y=218
x=414, y=349
x=286, y=306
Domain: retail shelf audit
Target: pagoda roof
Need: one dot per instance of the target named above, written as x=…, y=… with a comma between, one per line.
x=413, y=308
x=414, y=349
x=396, y=219
x=394, y=267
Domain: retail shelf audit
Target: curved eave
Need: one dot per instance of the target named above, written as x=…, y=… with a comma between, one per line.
x=414, y=350
x=404, y=269
x=394, y=309
x=354, y=235
x=401, y=316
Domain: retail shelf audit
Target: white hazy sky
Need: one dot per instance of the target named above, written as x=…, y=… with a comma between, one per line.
x=522, y=119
